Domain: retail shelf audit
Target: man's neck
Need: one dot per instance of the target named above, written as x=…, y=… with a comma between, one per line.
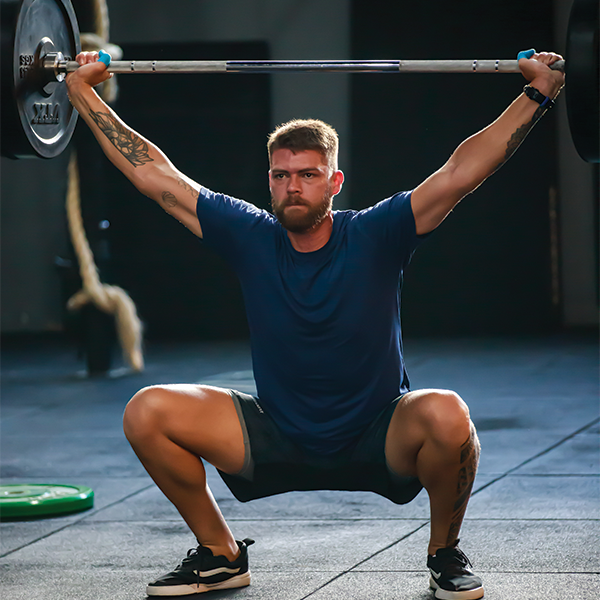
x=315, y=238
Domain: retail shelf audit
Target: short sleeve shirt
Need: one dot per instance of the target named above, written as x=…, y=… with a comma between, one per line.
x=324, y=325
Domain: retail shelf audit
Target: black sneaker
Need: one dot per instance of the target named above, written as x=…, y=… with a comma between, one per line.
x=201, y=571
x=451, y=577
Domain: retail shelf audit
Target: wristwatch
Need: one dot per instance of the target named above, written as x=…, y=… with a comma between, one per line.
x=533, y=94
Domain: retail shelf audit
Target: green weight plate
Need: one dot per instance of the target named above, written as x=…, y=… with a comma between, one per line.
x=33, y=500
x=39, y=118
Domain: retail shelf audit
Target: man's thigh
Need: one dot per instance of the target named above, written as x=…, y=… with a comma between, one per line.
x=201, y=419
x=421, y=415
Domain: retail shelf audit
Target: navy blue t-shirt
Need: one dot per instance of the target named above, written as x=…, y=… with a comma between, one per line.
x=324, y=325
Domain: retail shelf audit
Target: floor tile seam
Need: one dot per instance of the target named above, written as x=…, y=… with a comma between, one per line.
x=296, y=571
x=9, y=480
x=346, y=571
x=12, y=478
x=538, y=455
x=536, y=519
x=82, y=519
x=70, y=478
x=357, y=520
x=482, y=571
x=549, y=475
x=61, y=435
x=276, y=520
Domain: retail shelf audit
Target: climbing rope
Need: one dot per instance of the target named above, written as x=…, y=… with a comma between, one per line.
x=108, y=298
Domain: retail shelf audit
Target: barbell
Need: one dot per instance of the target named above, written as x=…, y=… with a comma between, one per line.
x=40, y=39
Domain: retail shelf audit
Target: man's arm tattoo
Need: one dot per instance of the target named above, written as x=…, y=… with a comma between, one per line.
x=519, y=135
x=169, y=199
x=134, y=149
x=188, y=188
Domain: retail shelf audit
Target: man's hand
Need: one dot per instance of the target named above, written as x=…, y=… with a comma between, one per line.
x=91, y=72
x=537, y=71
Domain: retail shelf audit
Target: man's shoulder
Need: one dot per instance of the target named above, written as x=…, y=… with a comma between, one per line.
x=397, y=203
x=209, y=201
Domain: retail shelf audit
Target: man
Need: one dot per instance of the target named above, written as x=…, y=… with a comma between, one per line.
x=321, y=288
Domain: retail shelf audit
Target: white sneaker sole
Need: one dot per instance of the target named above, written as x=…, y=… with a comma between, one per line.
x=441, y=594
x=186, y=590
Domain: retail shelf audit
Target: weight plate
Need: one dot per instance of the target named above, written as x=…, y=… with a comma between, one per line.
x=43, y=500
x=45, y=117
x=583, y=80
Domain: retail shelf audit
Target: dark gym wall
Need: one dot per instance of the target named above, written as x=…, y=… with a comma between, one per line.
x=33, y=233
x=213, y=128
x=488, y=267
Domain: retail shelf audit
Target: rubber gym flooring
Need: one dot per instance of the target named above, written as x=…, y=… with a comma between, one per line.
x=532, y=527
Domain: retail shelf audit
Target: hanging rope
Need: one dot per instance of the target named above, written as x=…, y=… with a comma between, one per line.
x=108, y=298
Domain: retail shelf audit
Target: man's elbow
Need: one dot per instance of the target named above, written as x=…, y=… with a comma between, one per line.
x=466, y=178
x=144, y=184
x=150, y=180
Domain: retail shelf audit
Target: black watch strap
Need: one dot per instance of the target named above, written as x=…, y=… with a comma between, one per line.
x=534, y=94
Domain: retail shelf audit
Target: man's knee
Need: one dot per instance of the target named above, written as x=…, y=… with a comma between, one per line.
x=144, y=412
x=447, y=418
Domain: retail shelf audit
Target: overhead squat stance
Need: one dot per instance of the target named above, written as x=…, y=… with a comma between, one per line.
x=334, y=408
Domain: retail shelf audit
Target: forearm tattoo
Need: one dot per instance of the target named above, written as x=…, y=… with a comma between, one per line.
x=187, y=187
x=134, y=149
x=520, y=134
x=469, y=458
x=169, y=199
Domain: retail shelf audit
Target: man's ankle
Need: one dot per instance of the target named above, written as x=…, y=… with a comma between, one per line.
x=228, y=551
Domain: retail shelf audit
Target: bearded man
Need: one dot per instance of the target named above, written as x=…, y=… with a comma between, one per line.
x=334, y=409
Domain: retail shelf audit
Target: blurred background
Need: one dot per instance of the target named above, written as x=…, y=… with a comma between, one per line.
x=518, y=256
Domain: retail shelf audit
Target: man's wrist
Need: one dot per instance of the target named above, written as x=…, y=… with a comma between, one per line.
x=532, y=93
x=77, y=91
x=547, y=86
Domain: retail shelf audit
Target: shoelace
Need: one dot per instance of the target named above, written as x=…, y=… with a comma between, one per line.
x=456, y=554
x=191, y=554
x=464, y=559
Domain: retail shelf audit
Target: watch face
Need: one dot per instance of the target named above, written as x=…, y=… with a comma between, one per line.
x=534, y=94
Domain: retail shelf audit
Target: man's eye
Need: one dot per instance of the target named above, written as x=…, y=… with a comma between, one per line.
x=309, y=175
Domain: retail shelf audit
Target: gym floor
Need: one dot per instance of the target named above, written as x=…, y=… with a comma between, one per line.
x=532, y=527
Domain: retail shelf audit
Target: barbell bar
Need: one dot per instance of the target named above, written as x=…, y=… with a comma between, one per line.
x=56, y=64
x=41, y=39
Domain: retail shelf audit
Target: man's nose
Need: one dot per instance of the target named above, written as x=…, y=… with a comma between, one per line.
x=294, y=184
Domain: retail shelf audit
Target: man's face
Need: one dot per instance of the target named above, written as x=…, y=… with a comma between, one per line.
x=302, y=187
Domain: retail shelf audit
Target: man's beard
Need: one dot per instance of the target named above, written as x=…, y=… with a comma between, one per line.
x=307, y=219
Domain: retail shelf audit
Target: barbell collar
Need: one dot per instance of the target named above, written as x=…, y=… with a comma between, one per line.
x=60, y=66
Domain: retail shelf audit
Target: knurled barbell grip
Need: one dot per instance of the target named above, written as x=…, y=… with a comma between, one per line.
x=383, y=66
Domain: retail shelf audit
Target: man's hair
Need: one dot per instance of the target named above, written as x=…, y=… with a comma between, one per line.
x=306, y=134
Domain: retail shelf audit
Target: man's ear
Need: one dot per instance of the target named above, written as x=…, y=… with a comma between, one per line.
x=337, y=180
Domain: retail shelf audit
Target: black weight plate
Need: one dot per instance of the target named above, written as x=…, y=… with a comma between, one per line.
x=582, y=79
x=45, y=117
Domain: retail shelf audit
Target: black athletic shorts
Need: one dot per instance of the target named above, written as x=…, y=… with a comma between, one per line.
x=274, y=464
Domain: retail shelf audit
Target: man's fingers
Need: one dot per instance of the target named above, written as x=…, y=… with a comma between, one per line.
x=93, y=67
x=546, y=58
x=85, y=58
